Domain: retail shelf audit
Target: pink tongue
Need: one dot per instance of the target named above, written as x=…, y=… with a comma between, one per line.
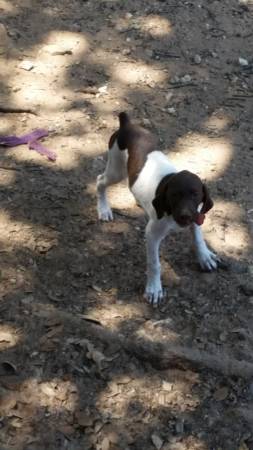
x=200, y=219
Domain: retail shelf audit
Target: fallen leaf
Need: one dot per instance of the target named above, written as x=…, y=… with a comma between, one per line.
x=105, y=444
x=221, y=394
x=157, y=441
x=84, y=419
x=7, y=403
x=8, y=368
x=243, y=446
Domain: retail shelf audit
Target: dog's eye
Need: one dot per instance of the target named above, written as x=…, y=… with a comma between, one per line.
x=194, y=193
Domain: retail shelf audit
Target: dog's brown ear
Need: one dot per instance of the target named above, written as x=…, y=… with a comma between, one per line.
x=160, y=206
x=207, y=201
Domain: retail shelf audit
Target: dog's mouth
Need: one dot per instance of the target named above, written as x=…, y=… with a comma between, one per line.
x=183, y=222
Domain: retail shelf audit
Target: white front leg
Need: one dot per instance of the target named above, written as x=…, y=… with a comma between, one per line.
x=156, y=230
x=207, y=259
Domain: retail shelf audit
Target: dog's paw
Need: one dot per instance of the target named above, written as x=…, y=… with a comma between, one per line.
x=208, y=260
x=154, y=294
x=105, y=214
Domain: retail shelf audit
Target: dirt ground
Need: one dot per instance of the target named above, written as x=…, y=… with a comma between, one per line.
x=83, y=358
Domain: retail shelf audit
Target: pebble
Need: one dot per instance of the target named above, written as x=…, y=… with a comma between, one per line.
x=179, y=427
x=126, y=51
x=186, y=79
x=146, y=122
x=168, y=96
x=243, y=62
x=172, y=111
x=26, y=65
x=197, y=59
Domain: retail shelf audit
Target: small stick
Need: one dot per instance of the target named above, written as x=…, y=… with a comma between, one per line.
x=13, y=110
x=181, y=85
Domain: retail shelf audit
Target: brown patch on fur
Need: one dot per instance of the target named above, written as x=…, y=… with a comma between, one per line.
x=139, y=143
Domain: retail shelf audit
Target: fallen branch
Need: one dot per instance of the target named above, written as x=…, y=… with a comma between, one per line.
x=161, y=355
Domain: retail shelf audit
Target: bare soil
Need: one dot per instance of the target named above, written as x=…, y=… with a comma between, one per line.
x=73, y=374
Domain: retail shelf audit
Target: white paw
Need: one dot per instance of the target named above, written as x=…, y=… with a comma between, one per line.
x=105, y=213
x=208, y=260
x=154, y=293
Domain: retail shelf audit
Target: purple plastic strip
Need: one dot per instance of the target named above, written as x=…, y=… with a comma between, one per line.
x=12, y=141
x=34, y=145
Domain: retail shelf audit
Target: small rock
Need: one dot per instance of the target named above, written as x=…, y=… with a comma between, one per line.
x=168, y=96
x=149, y=52
x=157, y=441
x=179, y=427
x=103, y=89
x=146, y=122
x=26, y=65
x=175, y=80
x=121, y=28
x=186, y=79
x=172, y=111
x=166, y=386
x=197, y=59
x=126, y=51
x=128, y=15
x=243, y=62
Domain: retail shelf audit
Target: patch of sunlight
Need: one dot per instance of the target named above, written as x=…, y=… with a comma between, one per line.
x=188, y=443
x=55, y=395
x=119, y=197
x=207, y=157
x=217, y=121
x=7, y=177
x=48, y=74
x=9, y=336
x=7, y=6
x=133, y=73
x=32, y=234
x=229, y=232
x=59, y=42
x=115, y=315
x=156, y=26
x=176, y=393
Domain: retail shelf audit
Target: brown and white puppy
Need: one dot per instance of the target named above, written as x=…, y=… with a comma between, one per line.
x=171, y=199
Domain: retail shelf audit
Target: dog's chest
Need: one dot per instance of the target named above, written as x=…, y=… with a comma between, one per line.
x=156, y=167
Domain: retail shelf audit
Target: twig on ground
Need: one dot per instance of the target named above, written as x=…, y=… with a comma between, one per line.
x=13, y=110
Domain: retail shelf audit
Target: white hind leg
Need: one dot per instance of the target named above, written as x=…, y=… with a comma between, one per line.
x=116, y=171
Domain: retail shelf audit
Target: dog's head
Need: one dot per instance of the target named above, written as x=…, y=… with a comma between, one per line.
x=184, y=196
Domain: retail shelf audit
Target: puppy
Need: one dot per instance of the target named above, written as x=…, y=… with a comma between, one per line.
x=171, y=199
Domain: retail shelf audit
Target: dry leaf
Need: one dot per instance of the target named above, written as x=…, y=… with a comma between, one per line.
x=8, y=368
x=157, y=441
x=84, y=419
x=7, y=403
x=97, y=356
x=50, y=334
x=221, y=394
x=105, y=445
x=243, y=446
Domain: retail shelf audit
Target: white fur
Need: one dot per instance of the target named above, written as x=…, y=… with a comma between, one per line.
x=156, y=167
x=116, y=171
